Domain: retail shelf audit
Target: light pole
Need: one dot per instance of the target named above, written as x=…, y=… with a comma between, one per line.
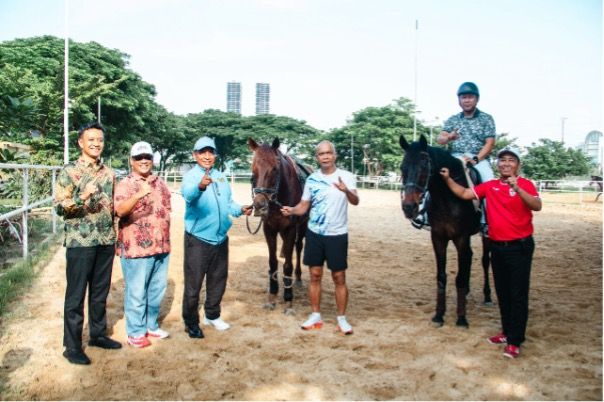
x=352, y=153
x=563, y=119
x=66, y=89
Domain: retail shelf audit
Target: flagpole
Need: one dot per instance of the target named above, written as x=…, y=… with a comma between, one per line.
x=66, y=89
x=415, y=85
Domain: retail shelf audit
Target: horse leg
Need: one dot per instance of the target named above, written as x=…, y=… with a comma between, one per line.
x=273, y=287
x=300, y=233
x=486, y=261
x=440, y=251
x=288, y=237
x=462, y=281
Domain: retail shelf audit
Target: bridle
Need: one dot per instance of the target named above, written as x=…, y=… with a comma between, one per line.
x=415, y=184
x=270, y=193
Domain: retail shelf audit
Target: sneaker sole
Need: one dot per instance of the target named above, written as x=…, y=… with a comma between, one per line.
x=344, y=332
x=138, y=345
x=509, y=356
x=496, y=343
x=317, y=325
x=156, y=336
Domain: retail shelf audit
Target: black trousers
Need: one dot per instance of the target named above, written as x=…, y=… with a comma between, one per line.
x=87, y=267
x=204, y=260
x=512, y=272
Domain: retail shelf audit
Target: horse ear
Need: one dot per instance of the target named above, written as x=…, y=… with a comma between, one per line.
x=275, y=143
x=423, y=143
x=403, y=142
x=252, y=145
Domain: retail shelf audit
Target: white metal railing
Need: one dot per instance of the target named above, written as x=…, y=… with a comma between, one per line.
x=25, y=205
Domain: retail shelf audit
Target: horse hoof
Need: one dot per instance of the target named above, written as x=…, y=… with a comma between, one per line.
x=462, y=322
x=289, y=311
x=438, y=321
x=269, y=306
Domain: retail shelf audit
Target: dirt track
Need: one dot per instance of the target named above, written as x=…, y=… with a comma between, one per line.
x=394, y=354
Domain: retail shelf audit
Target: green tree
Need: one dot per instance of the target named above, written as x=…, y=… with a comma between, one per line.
x=373, y=133
x=32, y=69
x=551, y=160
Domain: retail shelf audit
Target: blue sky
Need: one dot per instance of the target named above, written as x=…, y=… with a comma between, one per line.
x=535, y=61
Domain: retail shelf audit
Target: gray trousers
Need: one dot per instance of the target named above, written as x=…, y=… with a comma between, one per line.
x=204, y=260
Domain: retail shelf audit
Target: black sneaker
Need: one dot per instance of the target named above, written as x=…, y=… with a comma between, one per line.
x=76, y=356
x=104, y=342
x=194, y=331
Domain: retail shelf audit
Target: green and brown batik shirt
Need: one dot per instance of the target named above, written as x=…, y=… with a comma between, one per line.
x=87, y=223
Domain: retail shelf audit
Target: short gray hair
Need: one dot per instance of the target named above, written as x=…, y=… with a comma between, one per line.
x=333, y=147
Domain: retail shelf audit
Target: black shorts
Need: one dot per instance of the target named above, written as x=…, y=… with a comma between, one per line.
x=319, y=248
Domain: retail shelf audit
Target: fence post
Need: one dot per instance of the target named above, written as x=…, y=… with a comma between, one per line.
x=53, y=212
x=25, y=213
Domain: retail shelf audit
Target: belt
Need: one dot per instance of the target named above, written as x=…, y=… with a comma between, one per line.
x=509, y=243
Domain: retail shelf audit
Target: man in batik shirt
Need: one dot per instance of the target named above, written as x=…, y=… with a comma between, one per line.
x=142, y=201
x=84, y=197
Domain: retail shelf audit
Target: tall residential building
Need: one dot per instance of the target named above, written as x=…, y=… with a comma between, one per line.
x=263, y=92
x=234, y=97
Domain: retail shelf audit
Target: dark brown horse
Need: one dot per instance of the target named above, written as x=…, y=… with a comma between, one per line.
x=275, y=183
x=450, y=218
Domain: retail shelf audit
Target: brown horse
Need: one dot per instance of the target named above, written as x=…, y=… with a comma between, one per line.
x=275, y=183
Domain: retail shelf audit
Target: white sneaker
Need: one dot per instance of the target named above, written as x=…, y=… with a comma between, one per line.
x=217, y=323
x=344, y=326
x=158, y=333
x=314, y=322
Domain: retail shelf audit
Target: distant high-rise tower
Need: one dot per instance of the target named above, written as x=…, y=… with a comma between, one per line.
x=234, y=97
x=263, y=92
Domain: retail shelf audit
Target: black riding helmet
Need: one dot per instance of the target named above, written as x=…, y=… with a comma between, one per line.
x=468, y=88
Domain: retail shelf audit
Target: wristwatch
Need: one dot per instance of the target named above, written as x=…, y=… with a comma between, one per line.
x=475, y=159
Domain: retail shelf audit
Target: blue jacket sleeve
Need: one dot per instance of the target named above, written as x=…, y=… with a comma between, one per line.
x=189, y=190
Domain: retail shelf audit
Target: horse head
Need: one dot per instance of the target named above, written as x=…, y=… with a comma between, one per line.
x=416, y=170
x=266, y=174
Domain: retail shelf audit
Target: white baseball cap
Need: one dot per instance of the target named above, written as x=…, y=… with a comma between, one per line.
x=141, y=148
x=509, y=150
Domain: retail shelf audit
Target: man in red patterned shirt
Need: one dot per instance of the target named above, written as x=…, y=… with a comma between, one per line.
x=142, y=202
x=510, y=202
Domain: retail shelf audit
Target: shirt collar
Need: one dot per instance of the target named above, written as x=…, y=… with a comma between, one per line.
x=476, y=113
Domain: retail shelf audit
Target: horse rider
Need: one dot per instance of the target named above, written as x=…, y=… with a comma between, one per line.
x=471, y=134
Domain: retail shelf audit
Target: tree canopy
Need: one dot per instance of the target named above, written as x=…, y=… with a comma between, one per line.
x=31, y=102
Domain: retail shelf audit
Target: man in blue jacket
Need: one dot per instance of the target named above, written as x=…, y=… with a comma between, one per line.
x=207, y=220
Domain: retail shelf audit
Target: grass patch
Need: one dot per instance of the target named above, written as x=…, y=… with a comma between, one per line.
x=18, y=276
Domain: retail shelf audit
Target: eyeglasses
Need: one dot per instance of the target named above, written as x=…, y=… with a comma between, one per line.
x=143, y=156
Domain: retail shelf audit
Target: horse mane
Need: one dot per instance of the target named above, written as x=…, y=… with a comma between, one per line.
x=443, y=158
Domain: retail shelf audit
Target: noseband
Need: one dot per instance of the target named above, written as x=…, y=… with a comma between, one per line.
x=270, y=193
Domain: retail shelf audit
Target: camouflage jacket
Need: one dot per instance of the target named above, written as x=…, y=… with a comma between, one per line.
x=87, y=223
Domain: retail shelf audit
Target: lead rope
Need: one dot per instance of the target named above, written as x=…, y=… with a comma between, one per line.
x=466, y=171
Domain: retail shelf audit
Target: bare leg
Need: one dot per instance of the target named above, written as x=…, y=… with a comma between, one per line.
x=341, y=290
x=314, y=289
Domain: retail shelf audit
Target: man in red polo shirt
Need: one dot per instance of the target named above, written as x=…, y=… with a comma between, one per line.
x=510, y=202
